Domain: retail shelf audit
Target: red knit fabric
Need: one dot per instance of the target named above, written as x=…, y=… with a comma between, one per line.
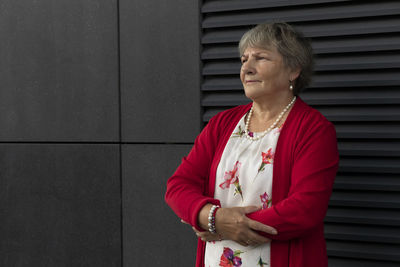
x=305, y=165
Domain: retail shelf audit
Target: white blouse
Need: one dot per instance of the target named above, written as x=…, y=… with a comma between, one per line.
x=244, y=178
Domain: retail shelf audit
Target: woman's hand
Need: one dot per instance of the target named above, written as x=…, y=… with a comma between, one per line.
x=233, y=224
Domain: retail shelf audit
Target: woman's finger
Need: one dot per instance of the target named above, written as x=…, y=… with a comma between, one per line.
x=244, y=243
x=198, y=232
x=204, y=234
x=257, y=239
x=207, y=236
x=257, y=226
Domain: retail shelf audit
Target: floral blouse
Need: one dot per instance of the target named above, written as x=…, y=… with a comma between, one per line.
x=244, y=178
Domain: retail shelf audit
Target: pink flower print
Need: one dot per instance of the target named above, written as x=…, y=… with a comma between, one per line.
x=267, y=158
x=265, y=200
x=230, y=258
x=231, y=177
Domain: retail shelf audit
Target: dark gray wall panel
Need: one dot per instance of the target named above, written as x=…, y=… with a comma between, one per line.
x=153, y=234
x=59, y=70
x=60, y=205
x=160, y=75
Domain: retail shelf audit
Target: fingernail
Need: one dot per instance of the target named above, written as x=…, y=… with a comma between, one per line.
x=274, y=232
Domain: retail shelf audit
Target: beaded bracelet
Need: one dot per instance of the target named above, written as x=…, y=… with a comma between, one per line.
x=211, y=219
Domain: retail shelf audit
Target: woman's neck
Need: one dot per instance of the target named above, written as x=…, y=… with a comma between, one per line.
x=268, y=109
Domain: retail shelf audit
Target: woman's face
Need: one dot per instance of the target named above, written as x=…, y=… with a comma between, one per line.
x=263, y=73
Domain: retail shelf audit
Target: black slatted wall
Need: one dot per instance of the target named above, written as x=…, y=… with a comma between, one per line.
x=356, y=86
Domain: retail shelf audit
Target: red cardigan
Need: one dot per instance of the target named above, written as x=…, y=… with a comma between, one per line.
x=305, y=164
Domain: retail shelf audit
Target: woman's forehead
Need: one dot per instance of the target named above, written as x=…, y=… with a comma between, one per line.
x=259, y=50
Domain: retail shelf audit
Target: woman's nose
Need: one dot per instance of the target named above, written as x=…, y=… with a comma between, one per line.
x=247, y=67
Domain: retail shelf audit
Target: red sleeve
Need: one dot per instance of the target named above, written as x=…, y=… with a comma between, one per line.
x=312, y=176
x=186, y=188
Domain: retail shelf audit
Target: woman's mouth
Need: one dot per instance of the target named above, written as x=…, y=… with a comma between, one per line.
x=251, y=81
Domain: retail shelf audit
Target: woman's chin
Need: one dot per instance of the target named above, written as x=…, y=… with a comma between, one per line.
x=254, y=94
x=250, y=93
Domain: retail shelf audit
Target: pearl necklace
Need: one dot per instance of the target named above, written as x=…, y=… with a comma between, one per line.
x=246, y=126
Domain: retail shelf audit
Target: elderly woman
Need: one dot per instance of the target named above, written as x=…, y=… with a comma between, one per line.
x=256, y=185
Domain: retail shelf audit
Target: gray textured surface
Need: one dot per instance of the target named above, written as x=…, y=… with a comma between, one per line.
x=59, y=70
x=59, y=205
x=160, y=75
x=153, y=234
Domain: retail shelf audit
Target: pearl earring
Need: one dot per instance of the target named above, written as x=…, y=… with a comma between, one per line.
x=291, y=85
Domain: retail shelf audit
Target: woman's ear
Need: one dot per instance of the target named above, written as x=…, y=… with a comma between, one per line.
x=294, y=74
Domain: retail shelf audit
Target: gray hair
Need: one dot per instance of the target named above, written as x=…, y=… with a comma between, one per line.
x=295, y=49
